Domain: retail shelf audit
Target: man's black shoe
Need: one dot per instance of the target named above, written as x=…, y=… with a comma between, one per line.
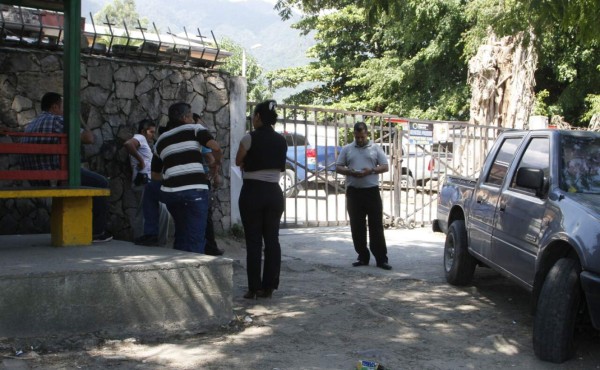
x=384, y=266
x=215, y=251
x=360, y=263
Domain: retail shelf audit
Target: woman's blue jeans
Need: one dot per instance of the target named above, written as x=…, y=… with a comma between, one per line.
x=155, y=218
x=189, y=209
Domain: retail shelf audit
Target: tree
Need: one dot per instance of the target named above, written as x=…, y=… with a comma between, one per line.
x=577, y=18
x=424, y=48
x=257, y=86
x=343, y=43
x=396, y=65
x=507, y=17
x=567, y=40
x=121, y=12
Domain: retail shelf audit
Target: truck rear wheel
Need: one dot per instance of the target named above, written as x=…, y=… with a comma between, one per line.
x=459, y=265
x=287, y=182
x=556, y=313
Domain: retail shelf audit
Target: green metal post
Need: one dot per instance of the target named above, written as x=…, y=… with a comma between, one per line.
x=71, y=85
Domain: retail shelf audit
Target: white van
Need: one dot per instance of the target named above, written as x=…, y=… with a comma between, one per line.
x=419, y=163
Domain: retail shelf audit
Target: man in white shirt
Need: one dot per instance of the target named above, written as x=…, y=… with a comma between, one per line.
x=149, y=213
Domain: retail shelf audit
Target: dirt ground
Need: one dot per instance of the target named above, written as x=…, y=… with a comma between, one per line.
x=329, y=315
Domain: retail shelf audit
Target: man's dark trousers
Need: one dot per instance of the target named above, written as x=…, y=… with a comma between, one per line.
x=362, y=203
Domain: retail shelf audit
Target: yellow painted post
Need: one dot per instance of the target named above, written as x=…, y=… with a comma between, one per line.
x=71, y=221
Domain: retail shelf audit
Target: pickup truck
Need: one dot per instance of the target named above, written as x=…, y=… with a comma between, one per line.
x=306, y=163
x=533, y=215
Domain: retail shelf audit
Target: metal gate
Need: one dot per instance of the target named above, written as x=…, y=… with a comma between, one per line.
x=420, y=154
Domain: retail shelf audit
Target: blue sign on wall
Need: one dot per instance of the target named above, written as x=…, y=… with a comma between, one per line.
x=421, y=133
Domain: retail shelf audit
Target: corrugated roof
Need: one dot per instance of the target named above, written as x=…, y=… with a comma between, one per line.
x=56, y=5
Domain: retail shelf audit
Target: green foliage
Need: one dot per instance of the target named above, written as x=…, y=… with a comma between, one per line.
x=346, y=134
x=121, y=12
x=577, y=17
x=258, y=90
x=540, y=108
x=593, y=107
x=506, y=17
x=397, y=64
x=119, y=40
x=569, y=72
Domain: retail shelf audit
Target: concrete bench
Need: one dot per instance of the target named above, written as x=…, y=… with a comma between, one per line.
x=71, y=214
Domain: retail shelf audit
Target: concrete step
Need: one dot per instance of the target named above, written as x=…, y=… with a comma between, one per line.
x=14, y=364
x=117, y=288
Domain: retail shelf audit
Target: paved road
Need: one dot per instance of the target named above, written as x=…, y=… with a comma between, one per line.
x=433, y=325
x=413, y=254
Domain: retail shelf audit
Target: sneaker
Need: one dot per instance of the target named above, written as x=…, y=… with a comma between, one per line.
x=101, y=238
x=147, y=240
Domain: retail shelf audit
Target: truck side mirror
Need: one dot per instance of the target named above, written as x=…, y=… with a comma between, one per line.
x=531, y=178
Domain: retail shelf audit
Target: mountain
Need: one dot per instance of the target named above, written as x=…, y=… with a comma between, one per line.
x=248, y=23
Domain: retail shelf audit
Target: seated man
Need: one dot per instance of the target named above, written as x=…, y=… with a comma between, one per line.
x=51, y=121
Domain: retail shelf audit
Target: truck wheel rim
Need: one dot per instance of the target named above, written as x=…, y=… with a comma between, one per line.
x=449, y=255
x=285, y=183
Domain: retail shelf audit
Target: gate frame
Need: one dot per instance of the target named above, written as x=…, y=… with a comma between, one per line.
x=471, y=144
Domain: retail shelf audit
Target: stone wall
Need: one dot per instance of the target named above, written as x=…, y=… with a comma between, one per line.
x=115, y=95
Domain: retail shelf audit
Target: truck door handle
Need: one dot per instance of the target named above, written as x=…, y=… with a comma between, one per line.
x=480, y=199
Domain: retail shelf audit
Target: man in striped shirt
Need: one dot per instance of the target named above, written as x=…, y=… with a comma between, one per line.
x=184, y=182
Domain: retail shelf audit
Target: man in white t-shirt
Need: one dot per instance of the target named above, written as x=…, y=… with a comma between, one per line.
x=139, y=148
x=140, y=152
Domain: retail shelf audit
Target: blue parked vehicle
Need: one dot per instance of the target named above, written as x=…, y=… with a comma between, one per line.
x=306, y=164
